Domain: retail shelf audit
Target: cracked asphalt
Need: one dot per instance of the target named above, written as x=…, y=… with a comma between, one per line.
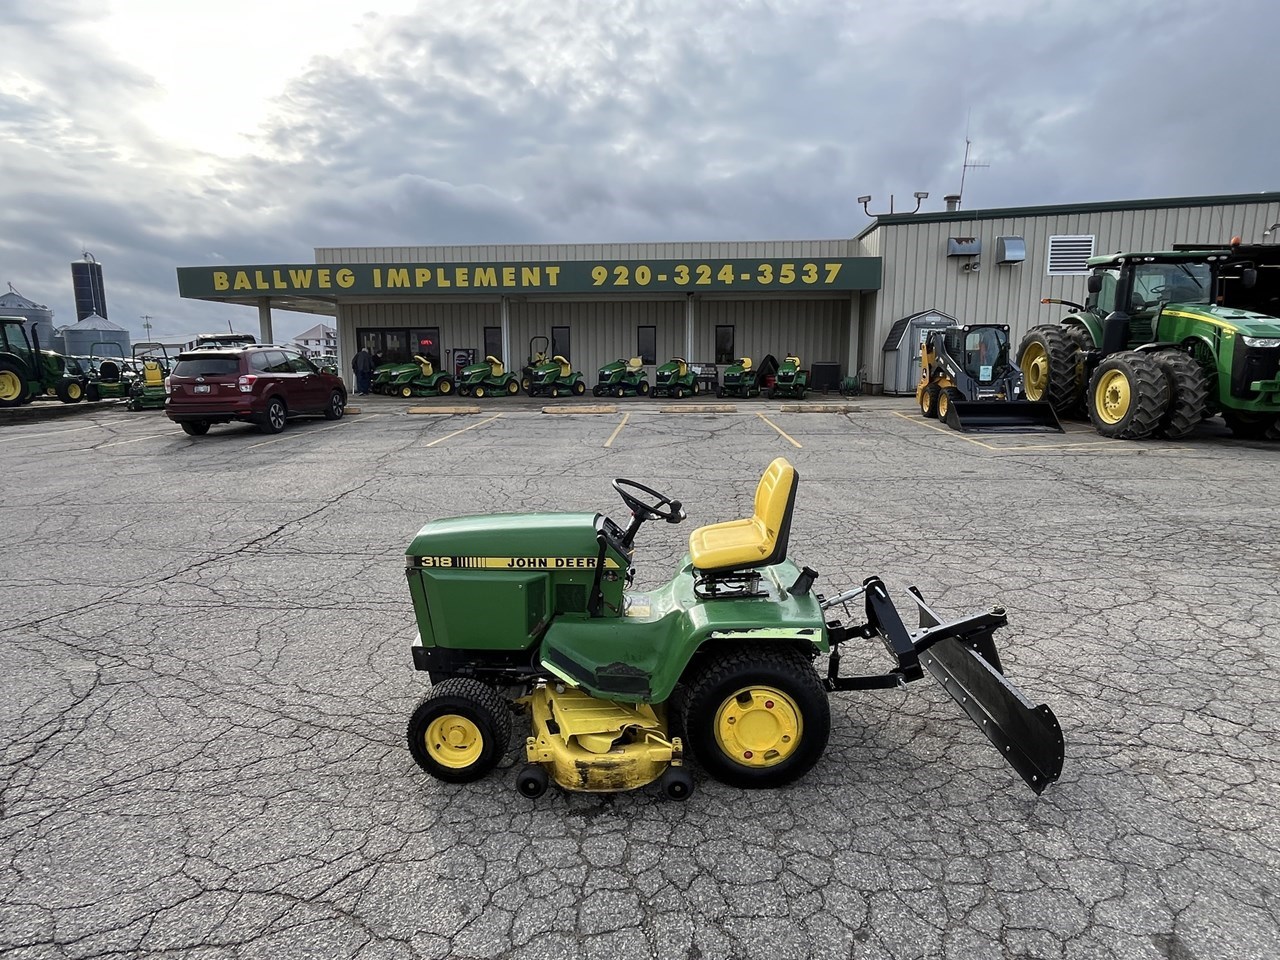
x=205, y=679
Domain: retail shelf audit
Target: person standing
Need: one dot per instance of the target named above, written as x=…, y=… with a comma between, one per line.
x=362, y=366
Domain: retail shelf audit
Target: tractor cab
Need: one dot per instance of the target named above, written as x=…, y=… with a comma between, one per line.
x=982, y=350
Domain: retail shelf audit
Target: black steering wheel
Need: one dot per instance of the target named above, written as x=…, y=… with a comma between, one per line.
x=642, y=510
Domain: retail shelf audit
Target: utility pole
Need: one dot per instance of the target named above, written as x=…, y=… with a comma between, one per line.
x=146, y=324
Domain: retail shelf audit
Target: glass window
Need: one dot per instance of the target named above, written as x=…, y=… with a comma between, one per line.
x=258, y=360
x=206, y=366
x=1170, y=283
x=647, y=344
x=724, y=344
x=493, y=342
x=396, y=347
x=426, y=343
x=560, y=342
x=277, y=362
x=300, y=364
x=1105, y=299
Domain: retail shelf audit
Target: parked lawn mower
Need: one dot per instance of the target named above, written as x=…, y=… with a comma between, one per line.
x=790, y=381
x=622, y=378
x=147, y=391
x=676, y=378
x=537, y=608
x=384, y=373
x=556, y=378
x=420, y=379
x=113, y=377
x=538, y=347
x=745, y=379
x=970, y=383
x=487, y=379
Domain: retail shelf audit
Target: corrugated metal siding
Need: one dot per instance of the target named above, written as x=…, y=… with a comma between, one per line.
x=808, y=328
x=919, y=276
x=599, y=332
x=533, y=252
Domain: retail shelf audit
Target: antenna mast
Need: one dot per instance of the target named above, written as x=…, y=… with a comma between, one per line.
x=965, y=168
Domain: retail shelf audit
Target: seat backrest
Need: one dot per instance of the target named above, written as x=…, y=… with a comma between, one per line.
x=793, y=359
x=746, y=363
x=635, y=364
x=152, y=375
x=495, y=366
x=425, y=364
x=564, y=365
x=682, y=368
x=775, y=493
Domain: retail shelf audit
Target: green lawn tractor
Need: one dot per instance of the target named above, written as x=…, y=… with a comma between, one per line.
x=384, y=373
x=487, y=379
x=420, y=379
x=112, y=377
x=676, y=378
x=147, y=391
x=27, y=372
x=970, y=383
x=1165, y=340
x=556, y=378
x=538, y=347
x=622, y=378
x=790, y=381
x=745, y=379
x=730, y=663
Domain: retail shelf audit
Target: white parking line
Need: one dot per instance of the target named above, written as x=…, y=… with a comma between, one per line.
x=53, y=433
x=121, y=443
x=297, y=435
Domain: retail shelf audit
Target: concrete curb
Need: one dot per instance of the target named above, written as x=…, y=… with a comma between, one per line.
x=593, y=409
x=442, y=411
x=818, y=408
x=40, y=410
x=701, y=408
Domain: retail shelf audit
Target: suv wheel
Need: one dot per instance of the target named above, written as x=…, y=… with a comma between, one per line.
x=337, y=406
x=273, y=420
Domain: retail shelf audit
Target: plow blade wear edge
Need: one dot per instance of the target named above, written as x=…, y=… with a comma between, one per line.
x=1002, y=416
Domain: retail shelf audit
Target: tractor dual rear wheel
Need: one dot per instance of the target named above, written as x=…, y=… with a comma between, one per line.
x=460, y=731
x=1047, y=357
x=1188, y=394
x=1128, y=396
x=757, y=716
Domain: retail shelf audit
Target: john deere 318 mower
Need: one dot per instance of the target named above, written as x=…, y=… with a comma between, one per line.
x=537, y=609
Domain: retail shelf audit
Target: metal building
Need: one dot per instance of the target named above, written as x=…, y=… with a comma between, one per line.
x=833, y=302
x=95, y=335
x=86, y=283
x=39, y=317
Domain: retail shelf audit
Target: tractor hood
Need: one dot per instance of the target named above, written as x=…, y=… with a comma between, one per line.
x=1244, y=322
x=546, y=540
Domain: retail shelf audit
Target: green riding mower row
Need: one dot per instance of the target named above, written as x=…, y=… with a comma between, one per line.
x=729, y=665
x=27, y=372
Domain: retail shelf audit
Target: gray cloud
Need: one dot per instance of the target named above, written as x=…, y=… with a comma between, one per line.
x=580, y=121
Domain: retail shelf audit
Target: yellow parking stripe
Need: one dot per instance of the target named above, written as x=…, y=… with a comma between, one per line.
x=785, y=436
x=613, y=436
x=464, y=430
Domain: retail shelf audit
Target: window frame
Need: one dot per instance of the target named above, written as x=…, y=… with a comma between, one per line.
x=652, y=355
x=731, y=355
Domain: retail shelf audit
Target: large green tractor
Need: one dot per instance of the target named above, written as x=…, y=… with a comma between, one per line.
x=729, y=663
x=27, y=372
x=1165, y=340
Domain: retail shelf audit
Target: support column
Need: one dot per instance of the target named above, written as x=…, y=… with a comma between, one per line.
x=689, y=319
x=853, y=353
x=505, y=313
x=264, y=320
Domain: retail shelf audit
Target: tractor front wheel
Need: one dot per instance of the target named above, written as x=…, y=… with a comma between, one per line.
x=460, y=731
x=1047, y=356
x=598, y=390
x=643, y=389
x=757, y=716
x=1188, y=394
x=1128, y=396
x=406, y=392
x=946, y=398
x=513, y=387
x=478, y=392
x=929, y=401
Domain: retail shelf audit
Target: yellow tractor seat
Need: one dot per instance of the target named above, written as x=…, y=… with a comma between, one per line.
x=746, y=363
x=761, y=539
x=495, y=366
x=425, y=364
x=794, y=359
x=635, y=365
x=682, y=368
x=152, y=375
x=564, y=365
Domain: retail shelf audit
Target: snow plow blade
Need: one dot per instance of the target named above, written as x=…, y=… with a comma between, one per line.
x=961, y=655
x=1003, y=416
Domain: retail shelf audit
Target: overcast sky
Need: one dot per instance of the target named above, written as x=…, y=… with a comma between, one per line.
x=166, y=133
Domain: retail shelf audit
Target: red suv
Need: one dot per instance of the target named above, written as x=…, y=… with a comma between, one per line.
x=257, y=384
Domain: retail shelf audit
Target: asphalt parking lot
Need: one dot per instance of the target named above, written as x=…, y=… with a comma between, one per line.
x=206, y=677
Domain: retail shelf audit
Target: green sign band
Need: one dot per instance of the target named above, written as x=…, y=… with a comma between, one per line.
x=570, y=276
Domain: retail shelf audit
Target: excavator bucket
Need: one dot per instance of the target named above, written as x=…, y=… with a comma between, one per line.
x=1003, y=416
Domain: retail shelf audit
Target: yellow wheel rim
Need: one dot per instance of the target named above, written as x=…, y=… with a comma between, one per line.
x=453, y=741
x=406, y=391
x=1035, y=371
x=924, y=403
x=479, y=391
x=73, y=391
x=1112, y=396
x=445, y=386
x=943, y=405
x=758, y=726
x=10, y=385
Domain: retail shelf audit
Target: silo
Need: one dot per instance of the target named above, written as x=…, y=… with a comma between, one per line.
x=86, y=281
x=38, y=316
x=93, y=329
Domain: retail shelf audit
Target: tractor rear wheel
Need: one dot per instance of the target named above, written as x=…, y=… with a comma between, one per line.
x=1047, y=356
x=444, y=386
x=757, y=716
x=1188, y=394
x=13, y=386
x=643, y=389
x=406, y=392
x=1128, y=396
x=513, y=387
x=929, y=401
x=70, y=391
x=579, y=388
x=460, y=731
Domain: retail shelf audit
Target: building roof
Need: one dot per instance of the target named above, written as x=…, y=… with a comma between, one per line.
x=1066, y=209
x=95, y=322
x=14, y=299
x=319, y=332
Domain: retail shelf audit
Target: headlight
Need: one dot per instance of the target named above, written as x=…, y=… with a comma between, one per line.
x=1261, y=341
